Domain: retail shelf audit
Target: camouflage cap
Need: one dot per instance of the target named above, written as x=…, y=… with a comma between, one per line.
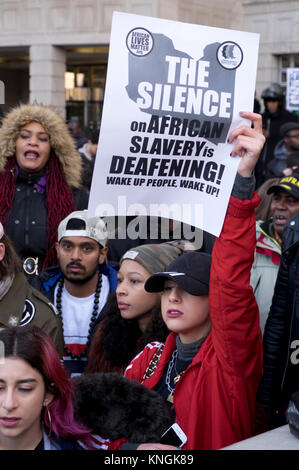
x=153, y=257
x=78, y=224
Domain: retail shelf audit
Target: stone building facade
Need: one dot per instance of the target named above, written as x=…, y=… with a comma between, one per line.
x=277, y=23
x=42, y=39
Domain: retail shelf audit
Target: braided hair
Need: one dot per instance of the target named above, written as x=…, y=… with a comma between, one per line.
x=7, y=191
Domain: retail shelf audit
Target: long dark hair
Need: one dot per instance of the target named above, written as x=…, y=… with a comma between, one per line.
x=11, y=263
x=117, y=340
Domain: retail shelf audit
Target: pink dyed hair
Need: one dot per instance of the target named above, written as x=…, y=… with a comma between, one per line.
x=36, y=348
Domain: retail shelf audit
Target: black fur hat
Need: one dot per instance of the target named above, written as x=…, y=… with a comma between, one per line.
x=115, y=407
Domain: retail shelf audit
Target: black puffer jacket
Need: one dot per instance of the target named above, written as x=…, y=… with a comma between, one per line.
x=281, y=336
x=28, y=220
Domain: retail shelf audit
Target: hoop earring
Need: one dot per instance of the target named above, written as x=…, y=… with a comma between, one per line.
x=49, y=420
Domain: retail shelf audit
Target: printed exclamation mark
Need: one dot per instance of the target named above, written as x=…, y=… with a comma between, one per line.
x=220, y=174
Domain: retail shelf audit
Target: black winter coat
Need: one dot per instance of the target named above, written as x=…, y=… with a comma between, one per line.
x=271, y=123
x=281, y=336
x=27, y=227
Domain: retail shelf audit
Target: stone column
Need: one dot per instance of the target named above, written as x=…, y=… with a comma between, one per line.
x=47, y=67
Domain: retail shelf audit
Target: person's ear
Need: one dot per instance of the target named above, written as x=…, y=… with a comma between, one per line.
x=2, y=251
x=103, y=254
x=57, y=249
x=49, y=397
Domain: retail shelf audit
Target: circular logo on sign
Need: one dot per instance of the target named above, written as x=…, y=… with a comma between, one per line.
x=229, y=55
x=140, y=42
x=28, y=313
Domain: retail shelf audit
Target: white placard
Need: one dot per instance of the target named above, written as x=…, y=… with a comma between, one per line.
x=292, y=89
x=173, y=93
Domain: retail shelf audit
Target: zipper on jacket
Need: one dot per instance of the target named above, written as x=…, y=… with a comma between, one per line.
x=289, y=343
x=271, y=238
x=28, y=194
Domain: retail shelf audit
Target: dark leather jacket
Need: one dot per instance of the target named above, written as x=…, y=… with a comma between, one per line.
x=281, y=336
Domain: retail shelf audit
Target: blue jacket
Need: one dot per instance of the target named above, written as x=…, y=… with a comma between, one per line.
x=48, y=279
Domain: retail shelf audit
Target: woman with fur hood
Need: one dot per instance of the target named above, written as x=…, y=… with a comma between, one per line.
x=40, y=179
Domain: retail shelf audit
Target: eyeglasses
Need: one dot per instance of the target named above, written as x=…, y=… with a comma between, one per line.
x=294, y=136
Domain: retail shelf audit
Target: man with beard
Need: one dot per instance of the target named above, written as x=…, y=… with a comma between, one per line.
x=80, y=285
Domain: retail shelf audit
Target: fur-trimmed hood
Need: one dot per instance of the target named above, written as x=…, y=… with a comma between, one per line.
x=60, y=139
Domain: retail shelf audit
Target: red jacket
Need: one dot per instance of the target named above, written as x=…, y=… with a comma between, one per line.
x=214, y=400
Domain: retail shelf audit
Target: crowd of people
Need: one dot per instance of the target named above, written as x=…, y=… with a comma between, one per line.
x=98, y=334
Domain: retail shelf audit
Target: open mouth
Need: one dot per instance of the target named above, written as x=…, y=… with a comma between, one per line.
x=31, y=155
x=279, y=219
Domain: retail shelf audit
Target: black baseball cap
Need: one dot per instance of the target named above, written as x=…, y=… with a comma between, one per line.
x=288, y=183
x=191, y=271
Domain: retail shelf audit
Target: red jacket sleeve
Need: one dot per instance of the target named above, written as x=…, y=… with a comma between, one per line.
x=137, y=367
x=234, y=313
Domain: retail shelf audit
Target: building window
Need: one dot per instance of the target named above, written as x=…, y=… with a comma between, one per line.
x=286, y=61
x=84, y=97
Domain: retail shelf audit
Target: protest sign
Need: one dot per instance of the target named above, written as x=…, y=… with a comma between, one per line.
x=292, y=89
x=174, y=91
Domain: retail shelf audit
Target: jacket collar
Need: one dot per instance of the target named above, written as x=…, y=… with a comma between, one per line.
x=265, y=230
x=291, y=236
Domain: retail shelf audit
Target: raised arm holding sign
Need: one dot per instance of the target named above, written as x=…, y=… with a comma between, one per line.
x=210, y=309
